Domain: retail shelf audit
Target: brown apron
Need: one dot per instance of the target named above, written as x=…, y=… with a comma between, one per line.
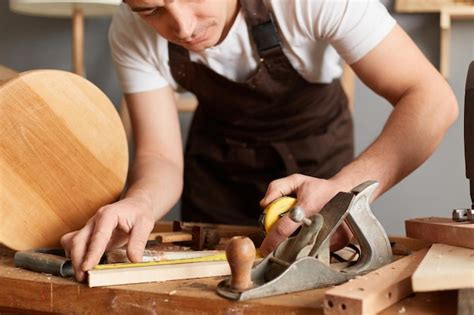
x=246, y=134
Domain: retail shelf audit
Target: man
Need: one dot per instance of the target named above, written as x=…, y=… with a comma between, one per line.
x=265, y=73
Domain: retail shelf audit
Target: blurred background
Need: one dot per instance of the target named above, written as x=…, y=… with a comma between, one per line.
x=438, y=186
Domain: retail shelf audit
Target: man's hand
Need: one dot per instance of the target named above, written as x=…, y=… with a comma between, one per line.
x=127, y=221
x=312, y=194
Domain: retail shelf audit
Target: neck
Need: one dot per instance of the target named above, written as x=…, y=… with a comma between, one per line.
x=233, y=7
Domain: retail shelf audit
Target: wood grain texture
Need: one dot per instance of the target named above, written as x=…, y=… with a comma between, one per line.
x=445, y=267
x=63, y=155
x=375, y=291
x=466, y=302
x=27, y=291
x=107, y=277
x=441, y=230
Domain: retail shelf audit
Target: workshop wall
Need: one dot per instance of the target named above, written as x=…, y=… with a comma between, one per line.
x=434, y=189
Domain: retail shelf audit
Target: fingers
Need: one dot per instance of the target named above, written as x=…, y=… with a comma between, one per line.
x=75, y=245
x=285, y=227
x=279, y=232
x=282, y=187
x=138, y=239
x=65, y=241
x=106, y=222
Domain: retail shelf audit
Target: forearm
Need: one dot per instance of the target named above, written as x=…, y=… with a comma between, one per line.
x=157, y=180
x=414, y=129
x=157, y=170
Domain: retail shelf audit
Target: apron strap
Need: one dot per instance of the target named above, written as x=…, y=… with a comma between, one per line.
x=262, y=28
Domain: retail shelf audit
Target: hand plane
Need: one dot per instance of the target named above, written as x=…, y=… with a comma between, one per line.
x=302, y=261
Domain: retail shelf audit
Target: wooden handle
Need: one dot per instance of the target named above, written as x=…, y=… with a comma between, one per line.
x=240, y=254
x=170, y=237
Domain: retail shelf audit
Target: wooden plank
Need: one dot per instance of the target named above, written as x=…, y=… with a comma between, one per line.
x=441, y=230
x=375, y=291
x=98, y=278
x=412, y=244
x=445, y=267
x=425, y=303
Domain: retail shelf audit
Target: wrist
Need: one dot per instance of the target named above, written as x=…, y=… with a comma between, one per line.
x=142, y=197
x=344, y=180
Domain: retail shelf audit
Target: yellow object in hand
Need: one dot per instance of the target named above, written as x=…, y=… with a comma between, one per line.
x=275, y=210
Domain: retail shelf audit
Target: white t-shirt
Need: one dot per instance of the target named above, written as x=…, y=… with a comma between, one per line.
x=314, y=33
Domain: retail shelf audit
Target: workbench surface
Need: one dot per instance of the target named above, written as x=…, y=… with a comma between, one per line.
x=27, y=291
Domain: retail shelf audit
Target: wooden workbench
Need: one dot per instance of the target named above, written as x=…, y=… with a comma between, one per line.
x=29, y=292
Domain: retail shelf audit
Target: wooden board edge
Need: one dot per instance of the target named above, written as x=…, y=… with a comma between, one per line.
x=456, y=234
x=159, y=273
x=353, y=297
x=442, y=259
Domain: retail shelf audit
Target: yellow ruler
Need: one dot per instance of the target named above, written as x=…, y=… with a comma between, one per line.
x=216, y=257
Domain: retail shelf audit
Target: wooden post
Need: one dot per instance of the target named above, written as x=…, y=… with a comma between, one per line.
x=445, y=41
x=78, y=41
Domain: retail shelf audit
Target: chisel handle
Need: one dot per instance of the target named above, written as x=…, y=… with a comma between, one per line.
x=44, y=262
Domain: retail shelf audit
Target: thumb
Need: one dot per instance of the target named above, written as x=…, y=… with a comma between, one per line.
x=279, y=232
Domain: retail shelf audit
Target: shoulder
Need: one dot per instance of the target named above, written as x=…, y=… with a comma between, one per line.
x=321, y=19
x=128, y=27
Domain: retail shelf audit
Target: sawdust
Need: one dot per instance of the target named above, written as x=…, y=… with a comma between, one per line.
x=197, y=285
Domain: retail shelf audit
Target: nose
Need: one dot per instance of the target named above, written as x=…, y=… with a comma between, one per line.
x=183, y=20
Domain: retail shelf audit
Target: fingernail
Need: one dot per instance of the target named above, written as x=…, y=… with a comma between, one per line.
x=85, y=266
x=80, y=276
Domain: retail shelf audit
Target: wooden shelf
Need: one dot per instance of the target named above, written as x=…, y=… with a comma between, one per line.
x=427, y=6
x=449, y=10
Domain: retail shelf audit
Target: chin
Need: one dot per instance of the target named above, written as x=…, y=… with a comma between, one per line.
x=200, y=46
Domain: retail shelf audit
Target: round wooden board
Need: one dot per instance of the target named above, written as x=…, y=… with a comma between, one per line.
x=63, y=155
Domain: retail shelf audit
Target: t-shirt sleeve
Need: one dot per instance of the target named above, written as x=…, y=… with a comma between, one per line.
x=352, y=27
x=133, y=48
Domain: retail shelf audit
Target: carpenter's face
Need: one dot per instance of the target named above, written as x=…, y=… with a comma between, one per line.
x=193, y=24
